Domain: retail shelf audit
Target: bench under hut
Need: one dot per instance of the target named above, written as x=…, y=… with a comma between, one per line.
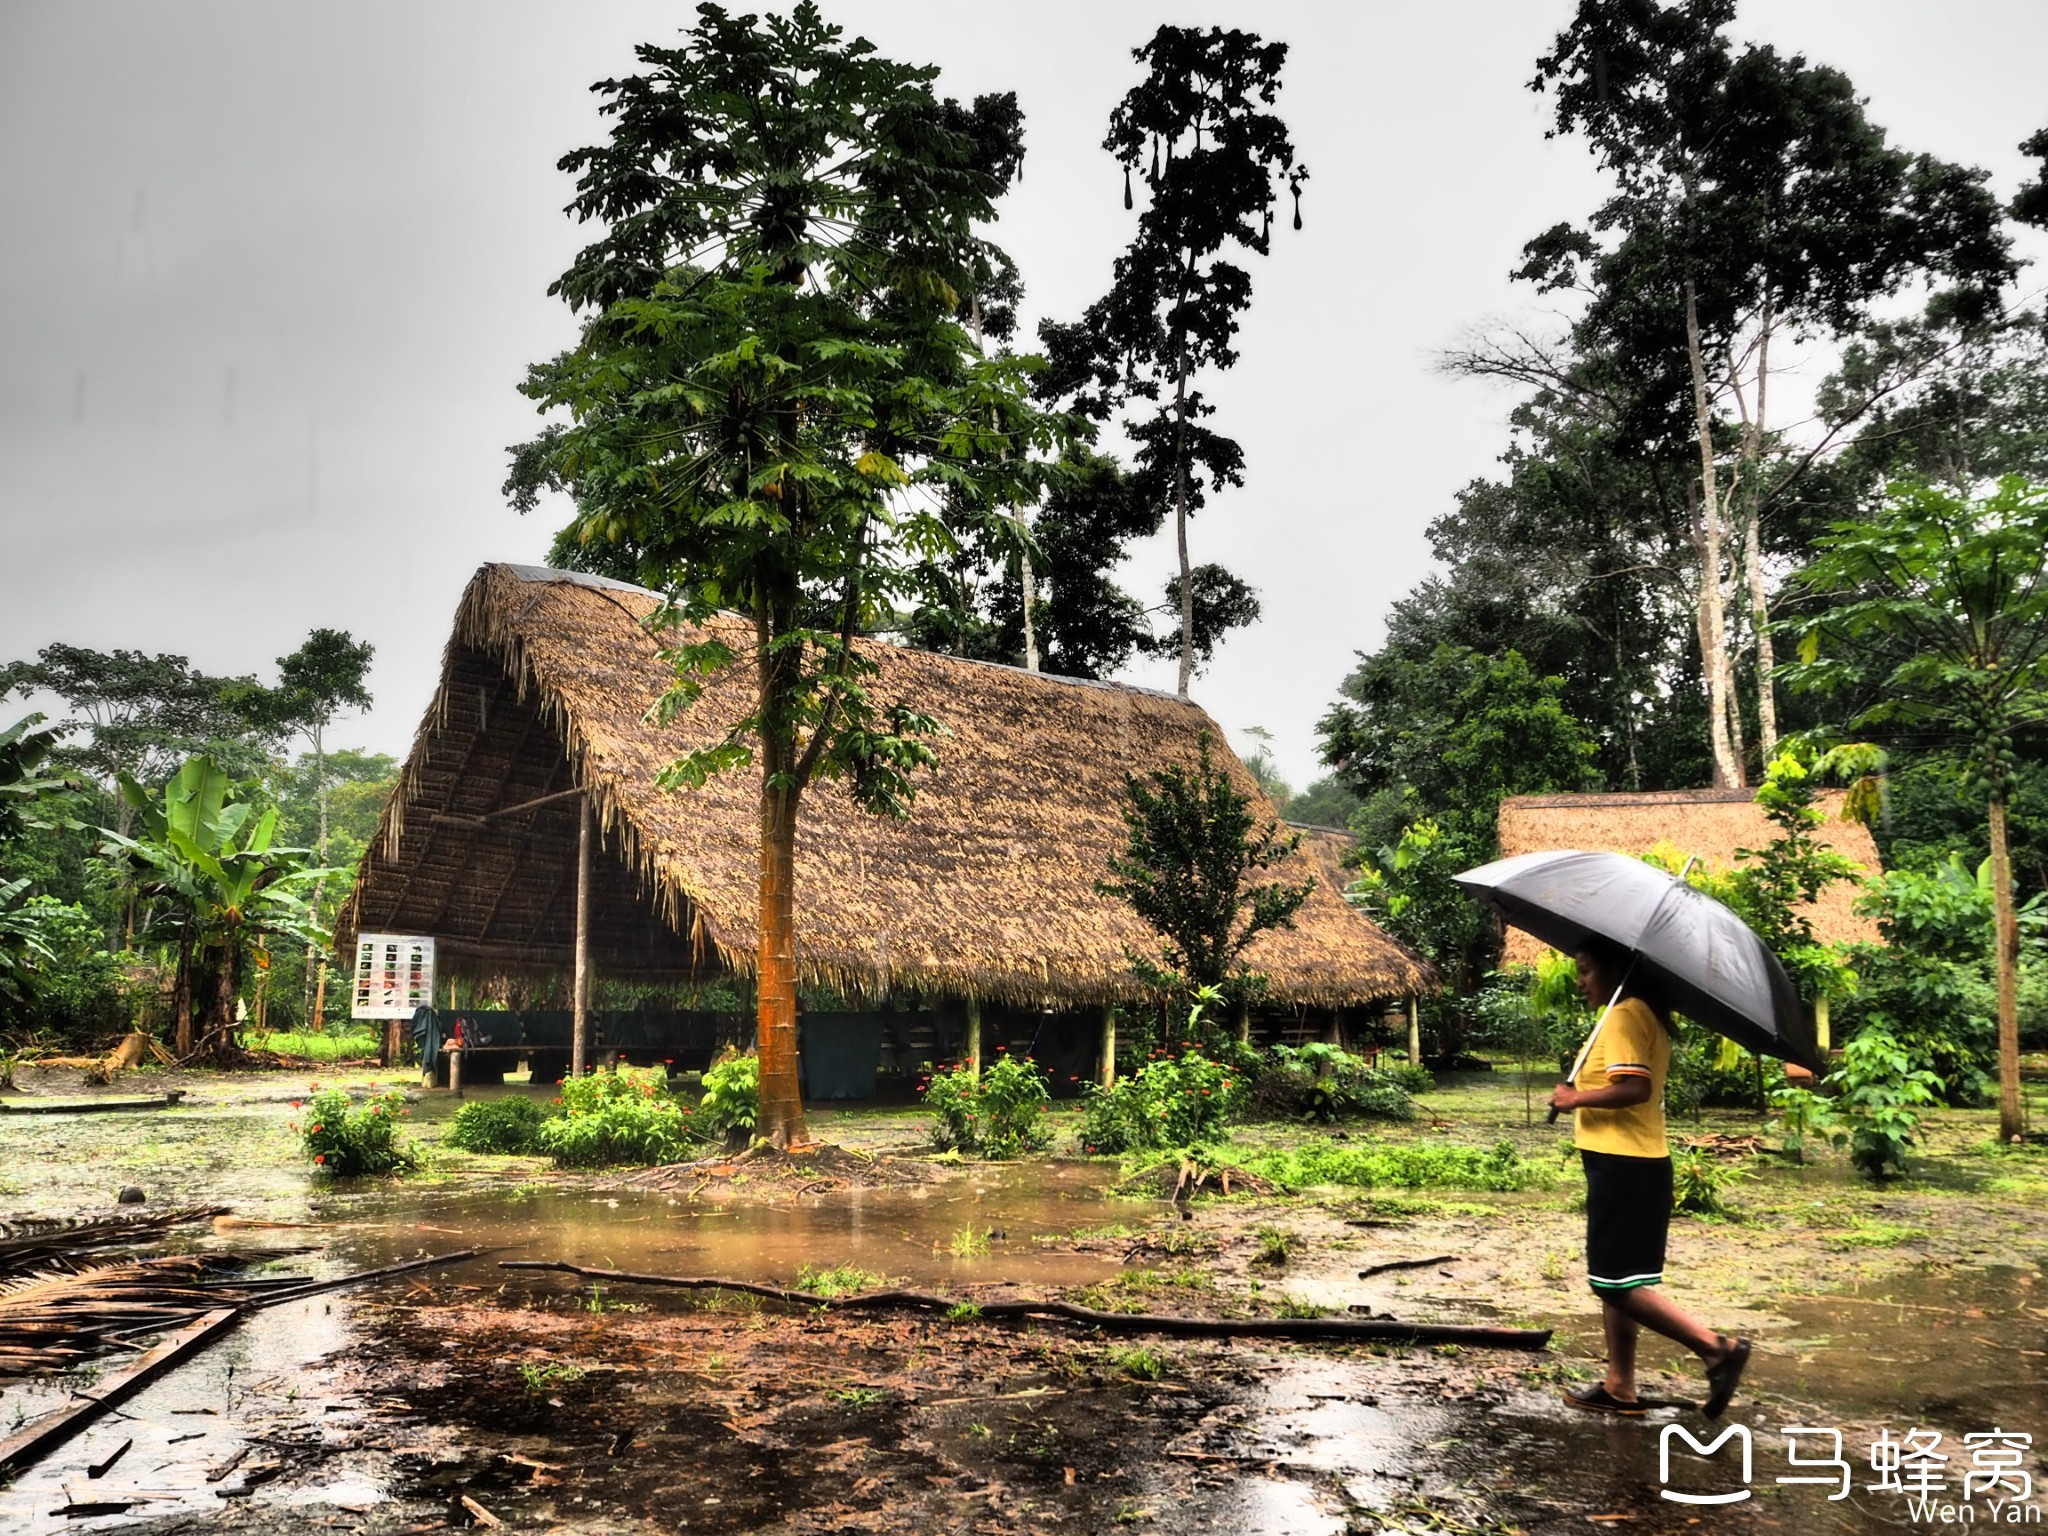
x=530, y=797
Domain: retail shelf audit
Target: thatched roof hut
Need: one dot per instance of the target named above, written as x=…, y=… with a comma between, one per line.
x=1710, y=824
x=987, y=890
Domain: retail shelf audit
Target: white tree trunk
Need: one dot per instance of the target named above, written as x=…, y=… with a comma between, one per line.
x=1711, y=617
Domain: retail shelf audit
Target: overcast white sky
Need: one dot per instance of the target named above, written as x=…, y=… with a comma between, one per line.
x=269, y=275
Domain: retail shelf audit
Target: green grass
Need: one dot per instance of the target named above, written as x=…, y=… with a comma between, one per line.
x=347, y=1045
x=1400, y=1165
x=840, y=1280
x=1867, y=1233
x=1134, y=1360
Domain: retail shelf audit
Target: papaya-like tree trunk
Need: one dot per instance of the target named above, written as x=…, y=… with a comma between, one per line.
x=782, y=1105
x=2010, y=1121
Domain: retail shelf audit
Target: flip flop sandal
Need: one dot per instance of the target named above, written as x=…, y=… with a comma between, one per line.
x=1600, y=1400
x=1721, y=1379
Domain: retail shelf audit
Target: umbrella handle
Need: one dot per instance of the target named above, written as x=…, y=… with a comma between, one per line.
x=1598, y=1025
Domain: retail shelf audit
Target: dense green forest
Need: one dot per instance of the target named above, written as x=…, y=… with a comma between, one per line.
x=126, y=716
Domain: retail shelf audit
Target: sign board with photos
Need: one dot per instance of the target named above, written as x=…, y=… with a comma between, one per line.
x=394, y=975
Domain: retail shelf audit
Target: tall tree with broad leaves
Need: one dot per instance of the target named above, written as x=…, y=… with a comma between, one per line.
x=1933, y=613
x=1198, y=131
x=1193, y=853
x=1754, y=204
x=315, y=682
x=774, y=382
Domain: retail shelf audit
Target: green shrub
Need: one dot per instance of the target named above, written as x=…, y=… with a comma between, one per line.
x=1169, y=1102
x=732, y=1095
x=1424, y=1165
x=622, y=1116
x=1803, y=1116
x=1881, y=1095
x=1324, y=1083
x=997, y=1114
x=510, y=1124
x=81, y=997
x=1700, y=1182
x=1409, y=1077
x=347, y=1140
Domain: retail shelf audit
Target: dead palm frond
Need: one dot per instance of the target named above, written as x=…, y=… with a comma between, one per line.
x=56, y=1317
x=31, y=1243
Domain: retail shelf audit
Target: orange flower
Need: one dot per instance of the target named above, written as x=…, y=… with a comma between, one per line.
x=319, y=1157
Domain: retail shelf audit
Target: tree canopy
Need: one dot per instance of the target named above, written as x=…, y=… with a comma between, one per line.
x=776, y=380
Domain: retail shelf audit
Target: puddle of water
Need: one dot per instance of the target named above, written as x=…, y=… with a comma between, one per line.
x=976, y=1230
x=1964, y=1348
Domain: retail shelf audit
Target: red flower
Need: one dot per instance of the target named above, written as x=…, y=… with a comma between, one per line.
x=317, y=1129
x=295, y=1103
x=319, y=1157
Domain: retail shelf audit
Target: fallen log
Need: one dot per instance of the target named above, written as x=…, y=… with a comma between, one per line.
x=1393, y=1264
x=168, y=1099
x=361, y=1277
x=1326, y=1329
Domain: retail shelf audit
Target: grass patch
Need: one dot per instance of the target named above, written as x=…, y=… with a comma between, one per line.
x=859, y=1397
x=1128, y=1291
x=545, y=1375
x=1866, y=1233
x=1400, y=1165
x=840, y=1280
x=970, y=1242
x=1289, y=1306
x=1134, y=1360
x=1274, y=1246
x=348, y=1045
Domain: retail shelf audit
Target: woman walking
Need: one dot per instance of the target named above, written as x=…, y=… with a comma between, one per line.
x=1617, y=1099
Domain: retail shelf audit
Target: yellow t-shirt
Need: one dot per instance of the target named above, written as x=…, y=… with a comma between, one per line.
x=1631, y=1043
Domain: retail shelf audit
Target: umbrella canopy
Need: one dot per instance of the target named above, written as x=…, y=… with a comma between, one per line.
x=1700, y=955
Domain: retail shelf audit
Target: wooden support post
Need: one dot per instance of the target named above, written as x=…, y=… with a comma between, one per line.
x=455, y=1073
x=1244, y=1023
x=974, y=1036
x=1414, y=1031
x=579, y=1037
x=1108, y=1064
x=1820, y=1024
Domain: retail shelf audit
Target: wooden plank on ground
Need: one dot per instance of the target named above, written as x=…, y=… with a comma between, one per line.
x=53, y=1429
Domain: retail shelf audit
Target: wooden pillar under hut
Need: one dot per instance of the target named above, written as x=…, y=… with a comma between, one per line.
x=1414, y=1031
x=1107, y=1073
x=974, y=1036
x=579, y=1037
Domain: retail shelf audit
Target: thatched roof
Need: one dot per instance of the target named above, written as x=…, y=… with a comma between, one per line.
x=1708, y=823
x=987, y=889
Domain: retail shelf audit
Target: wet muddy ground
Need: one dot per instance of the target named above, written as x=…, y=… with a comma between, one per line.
x=553, y=1404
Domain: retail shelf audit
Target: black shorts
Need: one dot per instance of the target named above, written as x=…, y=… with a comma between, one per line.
x=1628, y=1216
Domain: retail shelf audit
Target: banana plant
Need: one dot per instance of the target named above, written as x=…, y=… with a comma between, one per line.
x=214, y=886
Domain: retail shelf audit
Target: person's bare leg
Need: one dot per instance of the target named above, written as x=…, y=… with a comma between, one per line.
x=1621, y=1330
x=1647, y=1305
